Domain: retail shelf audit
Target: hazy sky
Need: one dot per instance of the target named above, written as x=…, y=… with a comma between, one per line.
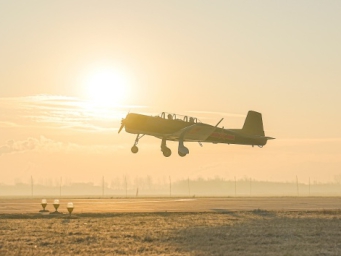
x=70, y=70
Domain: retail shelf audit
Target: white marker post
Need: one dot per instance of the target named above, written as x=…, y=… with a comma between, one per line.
x=70, y=207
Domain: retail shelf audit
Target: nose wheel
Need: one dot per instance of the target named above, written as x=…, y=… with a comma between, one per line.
x=134, y=149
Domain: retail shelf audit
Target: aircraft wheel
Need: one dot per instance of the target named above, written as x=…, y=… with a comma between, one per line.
x=134, y=149
x=167, y=152
x=181, y=154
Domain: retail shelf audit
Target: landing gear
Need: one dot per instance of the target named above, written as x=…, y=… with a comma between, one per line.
x=181, y=154
x=182, y=150
x=165, y=150
x=134, y=148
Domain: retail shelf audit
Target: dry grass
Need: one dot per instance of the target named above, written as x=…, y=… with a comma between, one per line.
x=256, y=232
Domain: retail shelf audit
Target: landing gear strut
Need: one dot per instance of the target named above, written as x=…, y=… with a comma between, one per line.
x=182, y=150
x=165, y=150
x=134, y=148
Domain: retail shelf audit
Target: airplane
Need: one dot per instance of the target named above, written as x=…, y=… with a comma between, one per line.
x=173, y=127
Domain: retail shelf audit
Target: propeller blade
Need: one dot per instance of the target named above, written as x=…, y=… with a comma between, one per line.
x=122, y=125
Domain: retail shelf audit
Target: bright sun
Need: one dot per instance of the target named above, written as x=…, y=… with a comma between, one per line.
x=107, y=87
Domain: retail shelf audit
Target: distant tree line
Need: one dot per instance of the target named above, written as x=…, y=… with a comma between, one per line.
x=147, y=186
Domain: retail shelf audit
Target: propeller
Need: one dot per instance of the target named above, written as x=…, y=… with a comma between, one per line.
x=122, y=125
x=123, y=122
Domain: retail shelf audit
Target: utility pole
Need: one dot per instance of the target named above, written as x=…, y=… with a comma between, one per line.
x=125, y=178
x=235, y=186
x=309, y=186
x=250, y=186
x=170, y=187
x=31, y=186
x=60, y=187
x=297, y=185
x=189, y=189
x=102, y=186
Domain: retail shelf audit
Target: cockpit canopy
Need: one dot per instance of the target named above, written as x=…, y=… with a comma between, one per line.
x=172, y=116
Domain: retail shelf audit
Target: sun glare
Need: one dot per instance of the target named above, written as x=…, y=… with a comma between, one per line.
x=107, y=87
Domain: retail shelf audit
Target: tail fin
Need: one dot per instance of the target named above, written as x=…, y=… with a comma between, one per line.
x=253, y=124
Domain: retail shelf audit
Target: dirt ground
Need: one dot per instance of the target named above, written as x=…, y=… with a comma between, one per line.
x=218, y=231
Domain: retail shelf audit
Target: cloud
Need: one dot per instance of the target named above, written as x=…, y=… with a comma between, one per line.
x=71, y=113
x=44, y=144
x=8, y=125
x=308, y=141
x=19, y=146
x=60, y=112
x=37, y=144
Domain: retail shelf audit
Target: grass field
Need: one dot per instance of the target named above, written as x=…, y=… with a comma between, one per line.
x=224, y=232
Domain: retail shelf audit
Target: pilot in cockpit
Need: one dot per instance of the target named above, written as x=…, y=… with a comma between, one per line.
x=170, y=117
x=191, y=120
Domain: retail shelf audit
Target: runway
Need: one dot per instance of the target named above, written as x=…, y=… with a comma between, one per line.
x=8, y=206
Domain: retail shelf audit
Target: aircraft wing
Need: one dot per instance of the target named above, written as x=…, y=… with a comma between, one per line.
x=196, y=132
